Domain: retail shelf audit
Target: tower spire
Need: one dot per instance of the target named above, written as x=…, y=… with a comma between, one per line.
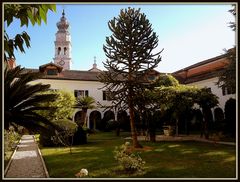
x=94, y=59
x=94, y=68
x=63, y=13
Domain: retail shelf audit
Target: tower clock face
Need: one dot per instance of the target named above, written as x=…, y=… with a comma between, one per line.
x=61, y=62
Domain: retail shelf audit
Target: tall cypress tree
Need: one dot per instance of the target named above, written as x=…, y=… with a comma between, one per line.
x=130, y=57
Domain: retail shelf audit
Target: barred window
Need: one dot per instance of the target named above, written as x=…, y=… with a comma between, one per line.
x=81, y=93
x=106, y=96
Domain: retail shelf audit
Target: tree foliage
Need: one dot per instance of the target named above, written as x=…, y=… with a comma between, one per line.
x=22, y=99
x=84, y=103
x=65, y=136
x=63, y=105
x=130, y=57
x=176, y=98
x=34, y=13
x=165, y=80
x=227, y=77
x=61, y=115
x=169, y=95
x=167, y=92
x=232, y=25
x=205, y=98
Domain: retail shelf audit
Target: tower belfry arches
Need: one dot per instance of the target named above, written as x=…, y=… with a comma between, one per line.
x=62, y=43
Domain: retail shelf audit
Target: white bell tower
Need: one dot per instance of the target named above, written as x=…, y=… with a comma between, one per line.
x=63, y=45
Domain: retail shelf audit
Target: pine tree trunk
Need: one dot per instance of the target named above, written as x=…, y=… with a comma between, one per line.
x=132, y=124
x=133, y=130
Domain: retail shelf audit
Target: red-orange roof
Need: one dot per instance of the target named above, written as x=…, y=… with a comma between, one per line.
x=203, y=70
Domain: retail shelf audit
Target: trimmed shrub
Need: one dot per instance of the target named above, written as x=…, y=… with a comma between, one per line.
x=68, y=128
x=65, y=137
x=129, y=161
x=80, y=137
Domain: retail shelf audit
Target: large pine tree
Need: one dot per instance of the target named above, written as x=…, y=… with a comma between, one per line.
x=130, y=57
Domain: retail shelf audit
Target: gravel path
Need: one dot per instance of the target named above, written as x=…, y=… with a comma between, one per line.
x=26, y=162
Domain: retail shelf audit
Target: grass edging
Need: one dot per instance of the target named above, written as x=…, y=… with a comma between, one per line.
x=43, y=162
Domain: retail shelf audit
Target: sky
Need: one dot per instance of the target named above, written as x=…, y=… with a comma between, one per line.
x=188, y=33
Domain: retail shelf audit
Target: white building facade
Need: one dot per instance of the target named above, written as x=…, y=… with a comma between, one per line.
x=222, y=95
x=206, y=74
x=80, y=84
x=85, y=83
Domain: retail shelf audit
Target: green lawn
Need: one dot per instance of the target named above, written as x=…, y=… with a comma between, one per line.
x=163, y=159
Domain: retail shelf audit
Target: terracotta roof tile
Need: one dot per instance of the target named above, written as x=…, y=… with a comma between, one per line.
x=71, y=75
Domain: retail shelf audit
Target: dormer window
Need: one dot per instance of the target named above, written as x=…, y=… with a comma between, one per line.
x=52, y=72
x=50, y=69
x=151, y=77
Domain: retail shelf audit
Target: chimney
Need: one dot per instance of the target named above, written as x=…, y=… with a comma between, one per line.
x=11, y=63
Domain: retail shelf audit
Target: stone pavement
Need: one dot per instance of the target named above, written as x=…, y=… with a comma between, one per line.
x=26, y=161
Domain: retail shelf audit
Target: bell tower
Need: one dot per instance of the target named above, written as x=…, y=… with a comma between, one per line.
x=63, y=45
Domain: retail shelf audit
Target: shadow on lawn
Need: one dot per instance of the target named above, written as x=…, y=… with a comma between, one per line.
x=164, y=160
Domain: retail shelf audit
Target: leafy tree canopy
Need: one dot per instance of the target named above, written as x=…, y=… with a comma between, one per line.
x=34, y=13
x=205, y=98
x=170, y=94
x=62, y=106
x=165, y=80
x=178, y=98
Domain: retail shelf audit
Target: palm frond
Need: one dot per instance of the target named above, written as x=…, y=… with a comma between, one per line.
x=22, y=99
x=85, y=102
